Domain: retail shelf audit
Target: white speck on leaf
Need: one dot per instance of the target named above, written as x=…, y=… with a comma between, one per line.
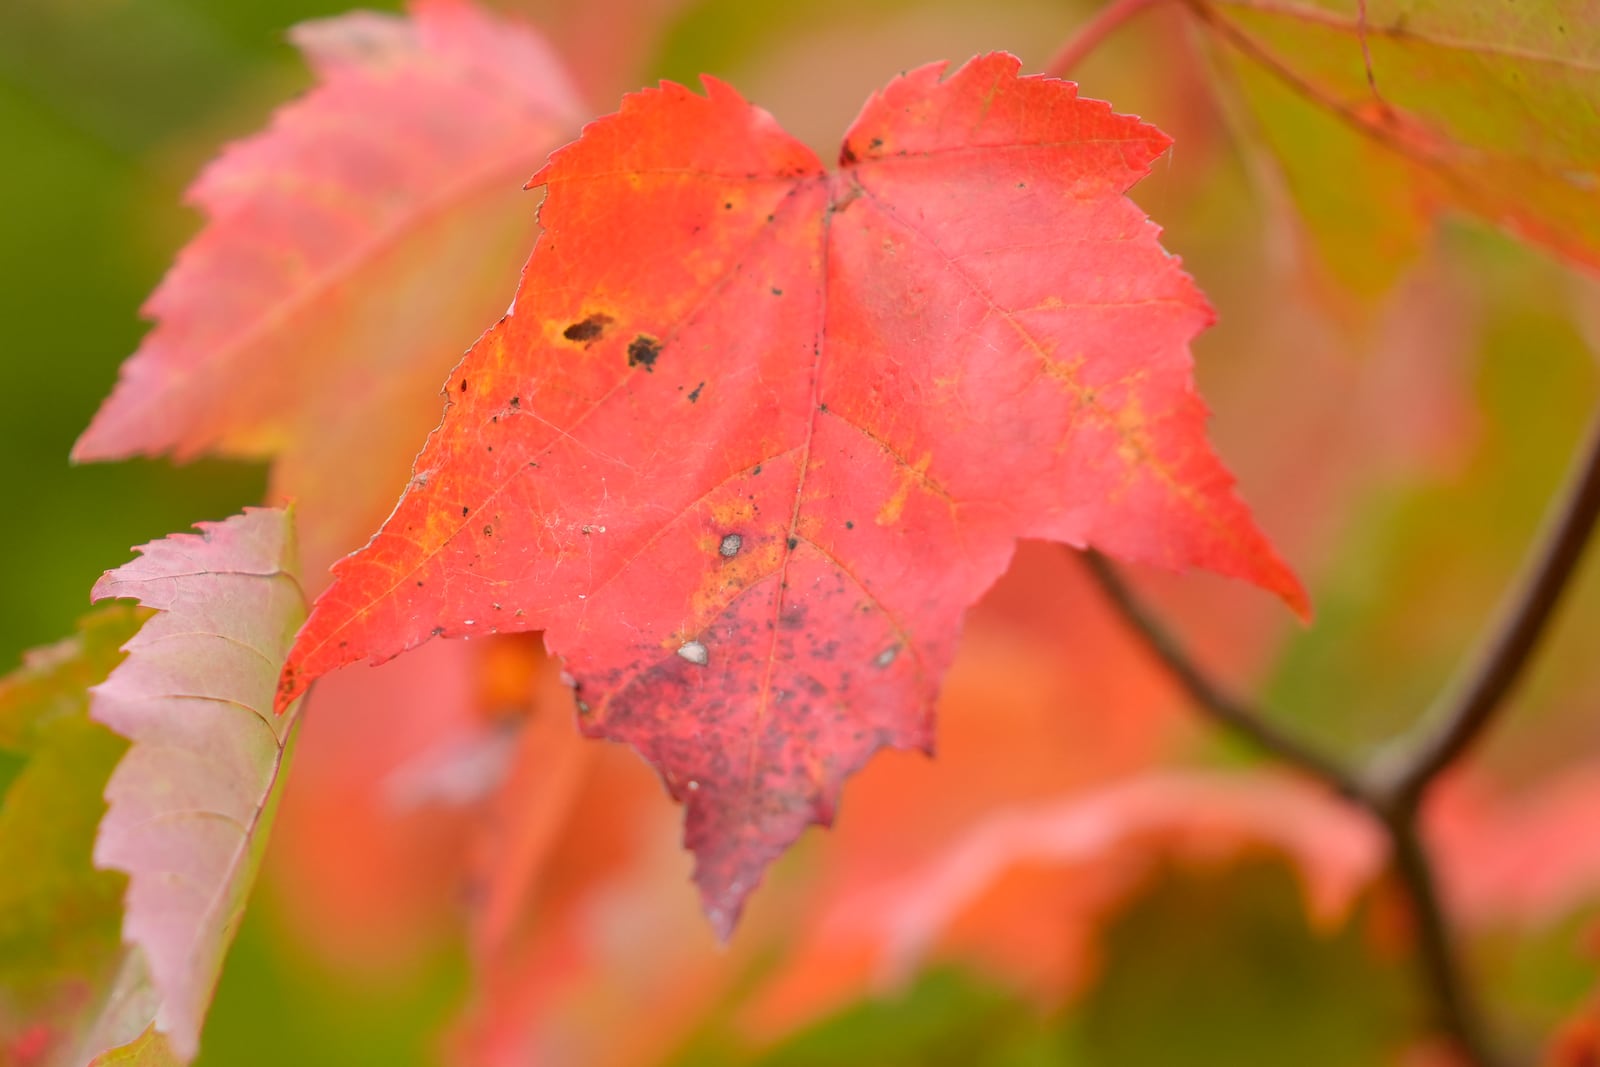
x=695, y=653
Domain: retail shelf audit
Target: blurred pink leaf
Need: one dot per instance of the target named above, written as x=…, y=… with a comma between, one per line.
x=1088, y=852
x=352, y=251
x=192, y=799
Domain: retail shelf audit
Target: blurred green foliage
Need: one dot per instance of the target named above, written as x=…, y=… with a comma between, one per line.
x=59, y=916
x=106, y=108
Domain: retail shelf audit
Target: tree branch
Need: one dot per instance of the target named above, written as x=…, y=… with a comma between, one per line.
x=1440, y=970
x=1402, y=772
x=1091, y=33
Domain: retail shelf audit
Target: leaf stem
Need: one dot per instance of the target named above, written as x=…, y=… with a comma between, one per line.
x=1088, y=36
x=1402, y=772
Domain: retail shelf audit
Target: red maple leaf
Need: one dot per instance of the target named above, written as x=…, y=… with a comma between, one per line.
x=757, y=434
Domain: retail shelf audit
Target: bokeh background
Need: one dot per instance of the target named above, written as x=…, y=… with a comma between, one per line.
x=1400, y=444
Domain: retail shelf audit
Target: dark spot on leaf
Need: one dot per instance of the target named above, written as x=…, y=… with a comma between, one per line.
x=419, y=583
x=463, y=385
x=438, y=631
x=757, y=469
x=847, y=155
x=516, y=401
x=644, y=349
x=464, y=510
x=488, y=531
x=848, y=525
x=776, y=291
x=877, y=142
x=727, y=205
x=694, y=396
x=588, y=331
x=794, y=542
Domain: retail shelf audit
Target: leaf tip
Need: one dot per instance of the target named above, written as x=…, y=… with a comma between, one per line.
x=723, y=905
x=1299, y=600
x=290, y=686
x=1277, y=577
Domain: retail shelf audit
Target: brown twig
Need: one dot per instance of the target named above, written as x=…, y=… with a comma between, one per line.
x=1442, y=974
x=1089, y=36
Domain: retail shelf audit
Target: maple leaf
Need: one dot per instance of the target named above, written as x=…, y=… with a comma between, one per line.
x=757, y=434
x=1021, y=717
x=1380, y=114
x=125, y=1032
x=191, y=800
x=352, y=251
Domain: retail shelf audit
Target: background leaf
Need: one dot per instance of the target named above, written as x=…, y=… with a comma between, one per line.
x=1490, y=107
x=58, y=915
